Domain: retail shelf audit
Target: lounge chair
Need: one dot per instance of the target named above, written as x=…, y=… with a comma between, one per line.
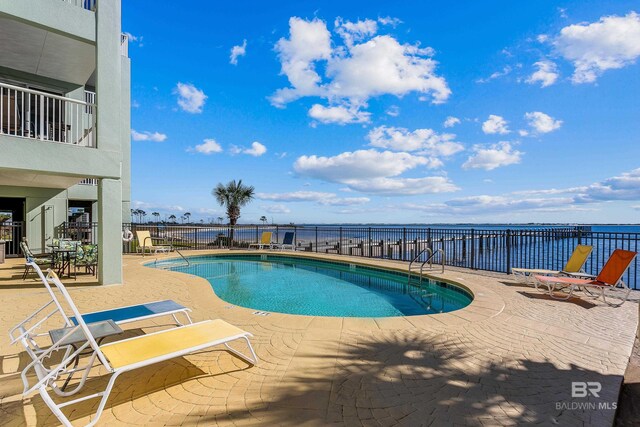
x=31, y=258
x=287, y=241
x=119, y=315
x=120, y=356
x=610, y=277
x=575, y=264
x=145, y=243
x=265, y=241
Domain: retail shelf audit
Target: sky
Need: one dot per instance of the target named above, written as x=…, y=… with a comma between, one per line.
x=388, y=112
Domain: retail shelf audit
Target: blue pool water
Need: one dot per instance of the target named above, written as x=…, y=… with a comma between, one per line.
x=318, y=288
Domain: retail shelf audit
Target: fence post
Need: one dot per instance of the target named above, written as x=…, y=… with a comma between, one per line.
x=508, y=251
x=340, y=242
x=403, y=256
x=579, y=236
x=370, y=245
x=473, y=249
x=316, y=239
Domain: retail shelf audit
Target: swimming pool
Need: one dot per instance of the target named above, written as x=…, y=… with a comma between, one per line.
x=297, y=285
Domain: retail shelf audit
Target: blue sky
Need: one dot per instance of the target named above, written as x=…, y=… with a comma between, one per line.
x=394, y=112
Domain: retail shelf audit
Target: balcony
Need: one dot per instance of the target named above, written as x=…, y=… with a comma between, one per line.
x=85, y=4
x=36, y=115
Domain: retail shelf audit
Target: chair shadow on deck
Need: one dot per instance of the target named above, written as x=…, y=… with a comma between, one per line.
x=424, y=381
x=573, y=300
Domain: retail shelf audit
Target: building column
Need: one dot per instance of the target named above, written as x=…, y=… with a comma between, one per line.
x=110, y=231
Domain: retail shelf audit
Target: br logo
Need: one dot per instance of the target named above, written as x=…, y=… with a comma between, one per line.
x=584, y=389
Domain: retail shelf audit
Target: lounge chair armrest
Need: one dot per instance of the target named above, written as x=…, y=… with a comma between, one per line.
x=580, y=275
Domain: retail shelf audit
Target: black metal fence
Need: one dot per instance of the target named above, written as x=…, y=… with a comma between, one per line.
x=12, y=233
x=497, y=250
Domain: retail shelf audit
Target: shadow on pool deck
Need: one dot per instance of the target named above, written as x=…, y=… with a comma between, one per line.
x=422, y=383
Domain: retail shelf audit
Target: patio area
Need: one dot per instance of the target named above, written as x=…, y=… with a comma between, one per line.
x=509, y=358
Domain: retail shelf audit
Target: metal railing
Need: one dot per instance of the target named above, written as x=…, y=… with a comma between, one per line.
x=33, y=114
x=12, y=234
x=89, y=181
x=497, y=250
x=124, y=45
x=85, y=4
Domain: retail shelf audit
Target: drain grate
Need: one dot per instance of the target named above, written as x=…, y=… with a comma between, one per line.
x=261, y=313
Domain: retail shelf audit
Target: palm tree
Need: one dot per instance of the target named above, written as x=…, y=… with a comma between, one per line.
x=263, y=219
x=157, y=216
x=220, y=219
x=187, y=215
x=172, y=218
x=233, y=196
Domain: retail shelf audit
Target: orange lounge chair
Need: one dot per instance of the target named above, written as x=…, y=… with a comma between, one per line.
x=610, y=277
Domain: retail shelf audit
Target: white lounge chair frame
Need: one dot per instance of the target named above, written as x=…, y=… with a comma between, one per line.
x=25, y=330
x=48, y=376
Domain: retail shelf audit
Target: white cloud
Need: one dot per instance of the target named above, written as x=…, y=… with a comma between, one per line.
x=148, y=136
x=426, y=141
x=355, y=31
x=622, y=187
x=275, y=209
x=150, y=206
x=387, y=20
x=496, y=75
x=593, y=48
x=238, y=51
x=495, y=124
x=256, y=149
x=345, y=201
x=451, y=122
x=208, y=146
x=492, y=156
x=296, y=196
x=546, y=73
x=541, y=122
x=135, y=39
x=372, y=171
x=190, y=98
x=393, y=111
x=338, y=114
x=384, y=66
x=523, y=132
x=358, y=165
x=326, y=199
x=308, y=41
x=404, y=186
x=367, y=65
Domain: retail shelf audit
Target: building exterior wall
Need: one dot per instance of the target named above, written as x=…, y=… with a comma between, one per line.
x=62, y=165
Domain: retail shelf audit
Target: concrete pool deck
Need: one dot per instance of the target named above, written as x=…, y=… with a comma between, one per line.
x=509, y=358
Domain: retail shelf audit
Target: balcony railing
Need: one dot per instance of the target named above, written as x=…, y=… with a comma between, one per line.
x=33, y=114
x=89, y=181
x=124, y=45
x=85, y=4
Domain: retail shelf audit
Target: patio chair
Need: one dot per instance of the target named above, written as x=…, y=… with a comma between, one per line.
x=31, y=258
x=609, y=278
x=287, y=241
x=87, y=257
x=265, y=241
x=575, y=264
x=120, y=356
x=146, y=243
